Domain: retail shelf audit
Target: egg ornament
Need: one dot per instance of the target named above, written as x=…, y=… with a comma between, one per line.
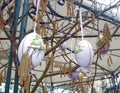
x=33, y=45
x=84, y=54
x=74, y=75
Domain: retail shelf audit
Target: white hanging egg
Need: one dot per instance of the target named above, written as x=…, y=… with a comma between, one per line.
x=32, y=44
x=84, y=54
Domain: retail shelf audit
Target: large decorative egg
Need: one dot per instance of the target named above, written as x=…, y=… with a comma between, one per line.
x=33, y=45
x=84, y=54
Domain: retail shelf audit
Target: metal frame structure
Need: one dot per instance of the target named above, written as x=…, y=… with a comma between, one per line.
x=17, y=28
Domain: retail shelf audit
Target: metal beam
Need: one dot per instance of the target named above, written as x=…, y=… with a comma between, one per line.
x=95, y=12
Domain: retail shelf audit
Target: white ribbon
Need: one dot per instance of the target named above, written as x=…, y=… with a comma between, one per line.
x=38, y=3
x=81, y=25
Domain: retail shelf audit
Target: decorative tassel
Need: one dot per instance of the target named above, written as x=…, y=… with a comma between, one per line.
x=27, y=84
x=21, y=69
x=4, y=74
x=73, y=82
x=52, y=62
x=106, y=34
x=2, y=26
x=108, y=62
x=99, y=54
x=80, y=84
x=64, y=70
x=70, y=8
x=70, y=68
x=43, y=31
x=78, y=90
x=99, y=44
x=43, y=4
x=38, y=28
x=78, y=27
x=110, y=59
x=24, y=72
x=88, y=82
x=61, y=72
x=92, y=19
x=2, y=22
x=55, y=27
x=47, y=45
x=26, y=67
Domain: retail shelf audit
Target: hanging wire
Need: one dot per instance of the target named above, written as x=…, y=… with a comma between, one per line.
x=38, y=3
x=81, y=25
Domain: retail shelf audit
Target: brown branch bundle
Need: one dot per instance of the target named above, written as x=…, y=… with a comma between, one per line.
x=24, y=72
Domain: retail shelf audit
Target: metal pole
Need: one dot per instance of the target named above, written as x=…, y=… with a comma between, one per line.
x=24, y=21
x=22, y=30
x=17, y=10
x=13, y=28
x=7, y=85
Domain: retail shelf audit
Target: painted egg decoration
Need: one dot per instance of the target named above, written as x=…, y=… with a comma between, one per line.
x=74, y=74
x=32, y=44
x=84, y=54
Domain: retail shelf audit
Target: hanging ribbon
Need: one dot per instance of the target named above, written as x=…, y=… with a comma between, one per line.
x=81, y=25
x=38, y=3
